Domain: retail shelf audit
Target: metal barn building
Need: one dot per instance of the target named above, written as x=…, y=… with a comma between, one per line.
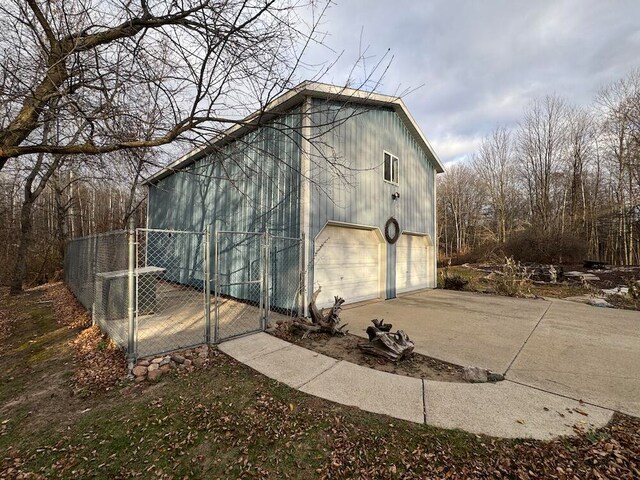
x=330, y=165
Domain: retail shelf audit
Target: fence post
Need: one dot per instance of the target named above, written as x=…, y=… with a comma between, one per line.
x=207, y=285
x=266, y=272
x=131, y=344
x=216, y=287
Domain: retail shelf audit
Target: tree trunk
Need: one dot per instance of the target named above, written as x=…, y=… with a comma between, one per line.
x=26, y=227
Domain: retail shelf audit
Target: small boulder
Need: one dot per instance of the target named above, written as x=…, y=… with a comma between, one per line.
x=178, y=358
x=599, y=302
x=156, y=360
x=139, y=370
x=475, y=374
x=154, y=375
x=153, y=367
x=481, y=375
x=165, y=368
x=143, y=363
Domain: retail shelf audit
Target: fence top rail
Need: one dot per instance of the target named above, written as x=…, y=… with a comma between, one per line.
x=278, y=237
x=97, y=235
x=231, y=232
x=160, y=230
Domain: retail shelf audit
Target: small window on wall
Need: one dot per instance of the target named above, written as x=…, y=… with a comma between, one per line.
x=390, y=168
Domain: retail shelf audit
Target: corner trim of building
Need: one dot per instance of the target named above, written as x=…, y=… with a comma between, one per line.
x=305, y=201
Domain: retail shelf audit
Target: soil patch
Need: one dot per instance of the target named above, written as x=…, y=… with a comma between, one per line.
x=346, y=348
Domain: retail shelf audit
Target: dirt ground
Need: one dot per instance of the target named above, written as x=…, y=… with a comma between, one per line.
x=346, y=348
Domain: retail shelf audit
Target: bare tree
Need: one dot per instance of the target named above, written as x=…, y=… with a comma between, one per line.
x=173, y=70
x=461, y=200
x=620, y=120
x=541, y=149
x=494, y=164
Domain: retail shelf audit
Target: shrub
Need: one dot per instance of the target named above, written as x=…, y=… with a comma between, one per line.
x=452, y=281
x=515, y=279
x=532, y=245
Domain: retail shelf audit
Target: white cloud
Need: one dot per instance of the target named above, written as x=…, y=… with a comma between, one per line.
x=481, y=62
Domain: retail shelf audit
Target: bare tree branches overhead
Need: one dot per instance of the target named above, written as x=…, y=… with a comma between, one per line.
x=123, y=75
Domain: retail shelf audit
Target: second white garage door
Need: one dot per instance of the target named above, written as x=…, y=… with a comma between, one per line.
x=414, y=262
x=348, y=263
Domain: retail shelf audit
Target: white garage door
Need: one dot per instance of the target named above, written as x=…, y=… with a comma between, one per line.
x=347, y=263
x=413, y=262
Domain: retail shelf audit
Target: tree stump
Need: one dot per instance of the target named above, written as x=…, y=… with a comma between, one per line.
x=383, y=343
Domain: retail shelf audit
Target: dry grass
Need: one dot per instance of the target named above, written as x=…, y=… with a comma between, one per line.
x=479, y=281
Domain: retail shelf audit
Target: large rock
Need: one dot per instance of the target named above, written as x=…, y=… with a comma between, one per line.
x=144, y=362
x=153, y=367
x=154, y=375
x=139, y=370
x=480, y=375
x=178, y=358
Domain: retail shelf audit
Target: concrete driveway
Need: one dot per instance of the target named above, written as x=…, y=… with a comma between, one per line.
x=583, y=352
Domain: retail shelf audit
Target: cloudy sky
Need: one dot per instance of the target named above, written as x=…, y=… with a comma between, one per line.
x=479, y=63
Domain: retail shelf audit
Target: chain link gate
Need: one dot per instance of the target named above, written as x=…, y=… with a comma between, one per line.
x=239, y=283
x=285, y=277
x=172, y=302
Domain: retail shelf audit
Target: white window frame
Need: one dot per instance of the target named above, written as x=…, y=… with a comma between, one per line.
x=397, y=168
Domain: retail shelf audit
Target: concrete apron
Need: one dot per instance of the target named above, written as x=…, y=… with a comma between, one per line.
x=504, y=409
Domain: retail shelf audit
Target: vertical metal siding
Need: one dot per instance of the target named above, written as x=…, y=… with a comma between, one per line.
x=359, y=139
x=252, y=184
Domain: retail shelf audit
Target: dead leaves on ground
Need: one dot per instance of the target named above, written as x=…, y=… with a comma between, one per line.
x=100, y=363
x=8, y=319
x=68, y=310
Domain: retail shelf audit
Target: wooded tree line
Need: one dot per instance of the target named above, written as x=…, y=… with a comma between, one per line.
x=77, y=199
x=562, y=186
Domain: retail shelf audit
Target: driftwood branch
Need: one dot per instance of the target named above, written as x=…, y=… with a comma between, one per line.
x=320, y=321
x=383, y=343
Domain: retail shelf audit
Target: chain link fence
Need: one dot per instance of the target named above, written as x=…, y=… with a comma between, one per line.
x=95, y=269
x=168, y=277
x=170, y=294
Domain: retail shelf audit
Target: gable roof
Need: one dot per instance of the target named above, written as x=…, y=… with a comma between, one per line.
x=285, y=102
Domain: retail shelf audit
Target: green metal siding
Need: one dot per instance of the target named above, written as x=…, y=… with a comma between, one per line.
x=356, y=137
x=251, y=184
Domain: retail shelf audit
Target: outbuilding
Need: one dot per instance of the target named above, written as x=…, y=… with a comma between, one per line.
x=348, y=171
